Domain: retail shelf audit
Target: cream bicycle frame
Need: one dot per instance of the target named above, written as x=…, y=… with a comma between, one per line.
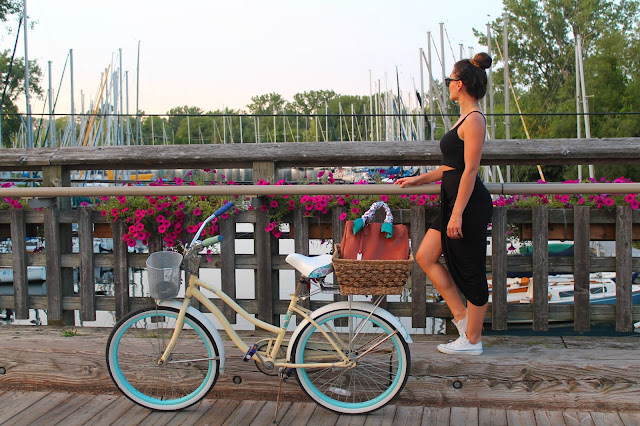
x=279, y=332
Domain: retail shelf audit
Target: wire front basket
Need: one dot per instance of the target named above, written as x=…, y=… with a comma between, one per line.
x=163, y=268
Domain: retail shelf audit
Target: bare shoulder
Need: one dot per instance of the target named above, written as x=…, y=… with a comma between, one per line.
x=474, y=124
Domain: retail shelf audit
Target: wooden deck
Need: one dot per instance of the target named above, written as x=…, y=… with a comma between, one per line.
x=50, y=408
x=539, y=372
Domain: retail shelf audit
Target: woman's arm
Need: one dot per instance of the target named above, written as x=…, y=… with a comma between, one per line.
x=424, y=178
x=472, y=132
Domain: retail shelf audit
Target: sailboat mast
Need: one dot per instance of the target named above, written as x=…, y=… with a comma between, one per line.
x=26, y=78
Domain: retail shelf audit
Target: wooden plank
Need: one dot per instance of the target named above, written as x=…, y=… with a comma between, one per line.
x=135, y=415
x=301, y=242
x=263, y=275
x=624, y=302
x=13, y=403
x=323, y=417
x=218, y=413
x=385, y=416
x=40, y=409
x=87, y=281
x=581, y=267
x=521, y=417
x=436, y=416
x=91, y=408
x=228, y=267
x=575, y=418
x=66, y=410
x=540, y=268
x=492, y=416
x=158, y=418
x=298, y=414
x=499, y=269
x=193, y=414
x=266, y=417
x=116, y=411
x=245, y=413
x=409, y=415
x=19, y=252
x=418, y=277
x=606, y=419
x=331, y=154
x=54, y=271
x=120, y=269
x=630, y=418
x=548, y=417
x=464, y=415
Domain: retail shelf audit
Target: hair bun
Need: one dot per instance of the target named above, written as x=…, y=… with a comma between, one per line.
x=481, y=60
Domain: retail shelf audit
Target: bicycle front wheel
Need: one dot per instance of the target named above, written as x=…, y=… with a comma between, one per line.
x=380, y=353
x=136, y=344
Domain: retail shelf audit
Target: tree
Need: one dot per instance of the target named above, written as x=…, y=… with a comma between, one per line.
x=11, y=120
x=542, y=61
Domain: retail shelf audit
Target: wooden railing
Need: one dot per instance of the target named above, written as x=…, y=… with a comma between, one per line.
x=61, y=301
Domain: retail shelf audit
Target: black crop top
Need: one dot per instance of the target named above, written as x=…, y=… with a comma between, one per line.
x=452, y=147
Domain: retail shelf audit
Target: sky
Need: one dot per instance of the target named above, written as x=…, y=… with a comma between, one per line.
x=215, y=54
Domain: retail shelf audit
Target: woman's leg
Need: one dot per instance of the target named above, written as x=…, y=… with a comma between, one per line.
x=475, y=320
x=428, y=257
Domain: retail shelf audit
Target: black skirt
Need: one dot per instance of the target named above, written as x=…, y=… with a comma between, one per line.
x=466, y=257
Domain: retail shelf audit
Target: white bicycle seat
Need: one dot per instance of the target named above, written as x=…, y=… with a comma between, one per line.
x=311, y=266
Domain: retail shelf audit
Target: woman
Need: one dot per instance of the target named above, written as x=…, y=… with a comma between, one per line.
x=460, y=232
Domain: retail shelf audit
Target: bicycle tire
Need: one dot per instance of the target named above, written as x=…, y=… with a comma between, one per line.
x=135, y=346
x=378, y=376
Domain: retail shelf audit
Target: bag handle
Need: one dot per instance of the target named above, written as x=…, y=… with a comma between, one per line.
x=387, y=226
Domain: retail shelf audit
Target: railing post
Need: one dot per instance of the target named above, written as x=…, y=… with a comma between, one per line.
x=581, y=268
x=19, y=251
x=228, y=267
x=120, y=269
x=540, y=239
x=87, y=281
x=58, y=176
x=54, y=270
x=418, y=277
x=301, y=243
x=624, y=303
x=499, y=269
x=266, y=278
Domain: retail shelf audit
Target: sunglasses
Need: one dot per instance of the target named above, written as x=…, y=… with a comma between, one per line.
x=447, y=81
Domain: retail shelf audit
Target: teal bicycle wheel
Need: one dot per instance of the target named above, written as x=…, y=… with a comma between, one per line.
x=378, y=350
x=135, y=346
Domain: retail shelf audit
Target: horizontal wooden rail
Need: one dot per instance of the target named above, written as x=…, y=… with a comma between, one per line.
x=371, y=189
x=319, y=154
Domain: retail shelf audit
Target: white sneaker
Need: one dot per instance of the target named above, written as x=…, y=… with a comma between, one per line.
x=461, y=325
x=461, y=346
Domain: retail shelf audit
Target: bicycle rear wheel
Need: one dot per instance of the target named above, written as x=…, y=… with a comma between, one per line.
x=381, y=356
x=135, y=346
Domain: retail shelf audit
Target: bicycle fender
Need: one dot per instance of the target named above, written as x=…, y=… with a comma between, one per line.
x=360, y=306
x=205, y=322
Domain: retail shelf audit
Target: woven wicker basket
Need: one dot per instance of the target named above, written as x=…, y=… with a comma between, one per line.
x=370, y=276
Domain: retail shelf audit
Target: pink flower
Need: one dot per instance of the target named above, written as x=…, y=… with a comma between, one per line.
x=609, y=201
x=114, y=212
x=355, y=201
x=103, y=213
x=384, y=198
x=343, y=216
x=277, y=233
x=273, y=204
x=355, y=210
x=197, y=212
x=629, y=198
x=84, y=204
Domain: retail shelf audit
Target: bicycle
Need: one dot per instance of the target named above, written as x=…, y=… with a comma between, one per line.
x=349, y=357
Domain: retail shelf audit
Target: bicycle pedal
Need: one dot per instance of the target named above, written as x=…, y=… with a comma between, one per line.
x=250, y=353
x=286, y=373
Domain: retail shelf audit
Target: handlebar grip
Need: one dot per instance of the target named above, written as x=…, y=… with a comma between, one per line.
x=224, y=208
x=211, y=241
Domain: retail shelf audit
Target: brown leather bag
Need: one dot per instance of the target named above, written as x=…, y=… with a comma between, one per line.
x=374, y=244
